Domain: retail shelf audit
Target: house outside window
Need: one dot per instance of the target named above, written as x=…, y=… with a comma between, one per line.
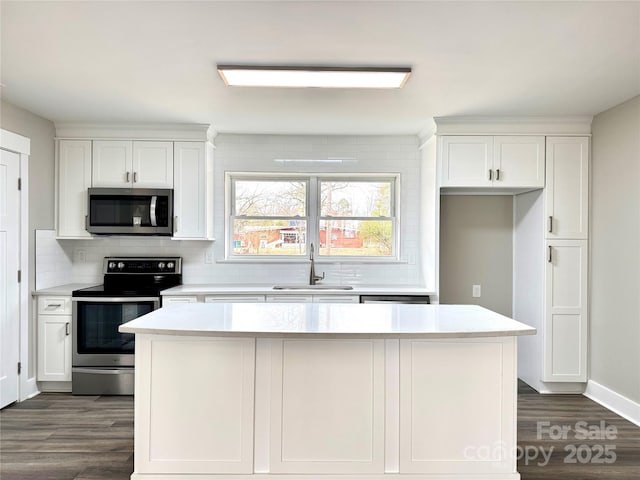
x=352, y=216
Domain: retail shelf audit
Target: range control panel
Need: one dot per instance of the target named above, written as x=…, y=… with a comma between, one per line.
x=141, y=265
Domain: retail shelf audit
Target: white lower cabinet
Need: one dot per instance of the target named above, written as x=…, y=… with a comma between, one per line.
x=54, y=339
x=565, y=325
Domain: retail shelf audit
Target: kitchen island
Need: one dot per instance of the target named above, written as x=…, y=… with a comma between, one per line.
x=325, y=391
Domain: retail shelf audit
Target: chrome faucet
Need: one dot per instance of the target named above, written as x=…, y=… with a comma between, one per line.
x=313, y=278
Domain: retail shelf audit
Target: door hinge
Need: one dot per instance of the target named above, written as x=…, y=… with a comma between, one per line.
x=19, y=276
x=19, y=184
x=19, y=368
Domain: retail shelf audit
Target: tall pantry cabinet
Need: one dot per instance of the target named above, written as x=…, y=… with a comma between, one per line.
x=566, y=206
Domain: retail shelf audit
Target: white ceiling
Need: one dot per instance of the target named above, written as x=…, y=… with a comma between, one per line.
x=154, y=61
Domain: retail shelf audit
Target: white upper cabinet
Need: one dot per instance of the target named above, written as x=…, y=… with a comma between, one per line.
x=567, y=192
x=152, y=165
x=192, y=201
x=518, y=161
x=132, y=164
x=112, y=163
x=512, y=161
x=74, y=177
x=466, y=161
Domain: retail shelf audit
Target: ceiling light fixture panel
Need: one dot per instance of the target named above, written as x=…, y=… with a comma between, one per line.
x=314, y=77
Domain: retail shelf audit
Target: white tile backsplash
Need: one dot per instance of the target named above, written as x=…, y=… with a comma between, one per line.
x=66, y=261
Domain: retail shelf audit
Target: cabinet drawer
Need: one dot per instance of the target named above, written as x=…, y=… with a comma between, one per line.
x=336, y=299
x=54, y=305
x=180, y=299
x=234, y=299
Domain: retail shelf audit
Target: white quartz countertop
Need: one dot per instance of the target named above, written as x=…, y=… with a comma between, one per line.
x=341, y=320
x=213, y=289
x=65, y=289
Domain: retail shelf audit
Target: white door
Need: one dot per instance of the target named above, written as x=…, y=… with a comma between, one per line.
x=467, y=161
x=518, y=161
x=565, y=325
x=567, y=190
x=152, y=165
x=9, y=291
x=112, y=163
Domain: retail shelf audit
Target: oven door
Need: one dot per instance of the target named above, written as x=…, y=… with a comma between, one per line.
x=96, y=339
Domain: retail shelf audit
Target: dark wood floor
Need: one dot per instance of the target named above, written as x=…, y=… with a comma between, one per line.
x=62, y=437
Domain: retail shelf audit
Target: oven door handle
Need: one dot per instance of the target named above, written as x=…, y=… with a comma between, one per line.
x=103, y=371
x=152, y=211
x=115, y=299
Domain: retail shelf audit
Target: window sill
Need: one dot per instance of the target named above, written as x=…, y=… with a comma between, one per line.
x=286, y=261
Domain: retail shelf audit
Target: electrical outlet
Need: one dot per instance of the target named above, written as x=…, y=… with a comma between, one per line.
x=208, y=257
x=476, y=292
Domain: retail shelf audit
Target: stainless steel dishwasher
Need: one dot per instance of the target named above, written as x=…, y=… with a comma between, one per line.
x=395, y=299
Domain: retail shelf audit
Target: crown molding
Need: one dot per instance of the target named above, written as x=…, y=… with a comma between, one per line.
x=533, y=125
x=121, y=131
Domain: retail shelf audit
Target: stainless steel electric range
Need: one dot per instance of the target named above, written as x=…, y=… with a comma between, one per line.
x=103, y=358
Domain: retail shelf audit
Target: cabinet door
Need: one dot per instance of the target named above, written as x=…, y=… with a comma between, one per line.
x=54, y=348
x=190, y=190
x=567, y=190
x=518, y=161
x=466, y=161
x=565, y=324
x=74, y=178
x=112, y=163
x=152, y=165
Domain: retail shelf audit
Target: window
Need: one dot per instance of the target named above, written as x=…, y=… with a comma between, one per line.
x=342, y=216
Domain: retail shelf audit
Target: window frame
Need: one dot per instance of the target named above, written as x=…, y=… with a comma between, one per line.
x=313, y=215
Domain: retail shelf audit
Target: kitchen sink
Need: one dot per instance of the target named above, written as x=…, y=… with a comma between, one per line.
x=313, y=287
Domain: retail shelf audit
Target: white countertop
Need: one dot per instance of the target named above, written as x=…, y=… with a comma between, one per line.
x=213, y=289
x=342, y=320
x=65, y=289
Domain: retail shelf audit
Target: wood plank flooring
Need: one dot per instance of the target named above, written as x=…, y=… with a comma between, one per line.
x=62, y=437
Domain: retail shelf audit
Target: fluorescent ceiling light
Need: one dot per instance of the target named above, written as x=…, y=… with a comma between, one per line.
x=314, y=77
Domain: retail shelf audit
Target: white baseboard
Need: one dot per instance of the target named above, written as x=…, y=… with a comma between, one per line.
x=613, y=401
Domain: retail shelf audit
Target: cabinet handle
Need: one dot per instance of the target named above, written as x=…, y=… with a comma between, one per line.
x=550, y=224
x=490, y=174
x=66, y=329
x=549, y=258
x=175, y=224
x=498, y=174
x=86, y=222
x=135, y=177
x=128, y=175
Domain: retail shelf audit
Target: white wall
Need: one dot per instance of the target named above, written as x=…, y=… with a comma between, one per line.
x=615, y=250
x=41, y=189
x=255, y=153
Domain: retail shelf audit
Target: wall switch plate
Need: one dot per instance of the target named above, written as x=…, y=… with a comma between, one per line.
x=208, y=257
x=476, y=291
x=80, y=256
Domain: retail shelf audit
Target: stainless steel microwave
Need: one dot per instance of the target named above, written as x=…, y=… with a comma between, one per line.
x=130, y=211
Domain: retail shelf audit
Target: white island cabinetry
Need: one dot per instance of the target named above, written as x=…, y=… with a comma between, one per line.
x=316, y=391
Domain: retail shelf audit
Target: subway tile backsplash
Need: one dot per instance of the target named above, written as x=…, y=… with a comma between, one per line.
x=65, y=261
